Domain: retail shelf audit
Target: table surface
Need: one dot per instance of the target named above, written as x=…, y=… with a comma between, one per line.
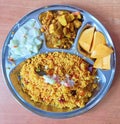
x=108, y=110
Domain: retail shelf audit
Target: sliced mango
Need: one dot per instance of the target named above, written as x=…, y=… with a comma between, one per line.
x=100, y=51
x=99, y=38
x=86, y=39
x=103, y=63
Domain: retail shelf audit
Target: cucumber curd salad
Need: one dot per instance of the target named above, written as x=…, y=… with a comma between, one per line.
x=26, y=40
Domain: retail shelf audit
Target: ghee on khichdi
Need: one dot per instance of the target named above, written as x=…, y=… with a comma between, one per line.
x=68, y=83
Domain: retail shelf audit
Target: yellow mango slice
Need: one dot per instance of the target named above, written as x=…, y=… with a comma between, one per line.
x=86, y=39
x=99, y=38
x=100, y=51
x=103, y=63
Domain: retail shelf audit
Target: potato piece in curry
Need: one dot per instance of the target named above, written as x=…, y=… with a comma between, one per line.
x=60, y=28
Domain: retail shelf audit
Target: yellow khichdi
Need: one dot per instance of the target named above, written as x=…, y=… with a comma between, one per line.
x=69, y=81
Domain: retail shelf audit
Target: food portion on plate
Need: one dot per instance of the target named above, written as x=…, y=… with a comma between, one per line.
x=26, y=40
x=60, y=28
x=68, y=81
x=94, y=44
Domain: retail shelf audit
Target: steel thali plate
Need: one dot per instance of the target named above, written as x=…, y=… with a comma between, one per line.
x=105, y=76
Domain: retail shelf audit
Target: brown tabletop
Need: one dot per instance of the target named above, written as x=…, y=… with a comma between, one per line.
x=108, y=110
